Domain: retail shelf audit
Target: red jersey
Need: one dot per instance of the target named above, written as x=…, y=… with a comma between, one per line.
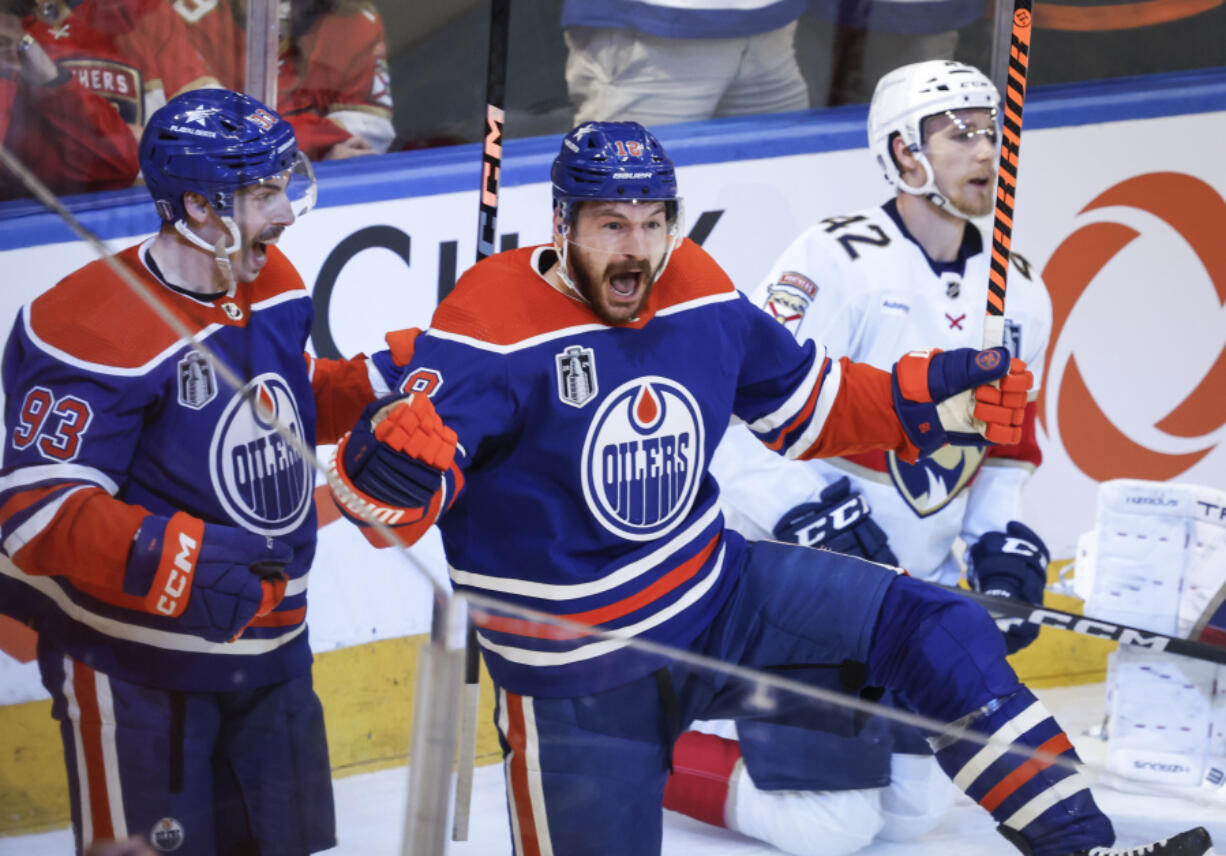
x=134, y=53
x=72, y=139
x=332, y=82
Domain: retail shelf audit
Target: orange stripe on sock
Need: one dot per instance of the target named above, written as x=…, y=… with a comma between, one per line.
x=1023, y=774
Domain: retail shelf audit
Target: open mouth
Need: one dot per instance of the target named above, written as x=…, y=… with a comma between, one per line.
x=625, y=284
x=259, y=247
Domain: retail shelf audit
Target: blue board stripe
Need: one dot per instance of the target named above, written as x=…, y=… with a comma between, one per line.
x=454, y=169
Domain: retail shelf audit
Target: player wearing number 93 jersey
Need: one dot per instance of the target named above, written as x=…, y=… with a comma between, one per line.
x=161, y=523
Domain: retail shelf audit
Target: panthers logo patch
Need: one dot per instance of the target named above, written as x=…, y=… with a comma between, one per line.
x=934, y=480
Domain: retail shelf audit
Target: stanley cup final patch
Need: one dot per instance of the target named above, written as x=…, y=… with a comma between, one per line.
x=197, y=383
x=576, y=375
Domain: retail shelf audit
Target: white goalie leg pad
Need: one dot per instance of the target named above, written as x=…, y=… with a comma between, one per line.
x=1204, y=572
x=1161, y=709
x=1157, y=555
x=804, y=823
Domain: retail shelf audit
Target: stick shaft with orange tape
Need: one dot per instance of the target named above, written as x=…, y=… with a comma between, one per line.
x=1006, y=180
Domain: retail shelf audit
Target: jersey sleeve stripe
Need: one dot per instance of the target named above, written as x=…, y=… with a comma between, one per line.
x=592, y=650
x=19, y=504
x=574, y=591
x=34, y=524
x=795, y=402
x=30, y=476
x=825, y=401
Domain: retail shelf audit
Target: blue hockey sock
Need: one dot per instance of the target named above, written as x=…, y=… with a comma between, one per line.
x=944, y=658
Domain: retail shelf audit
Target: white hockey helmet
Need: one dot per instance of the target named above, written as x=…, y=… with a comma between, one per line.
x=907, y=96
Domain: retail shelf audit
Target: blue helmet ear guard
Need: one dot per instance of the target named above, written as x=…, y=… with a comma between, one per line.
x=212, y=142
x=612, y=160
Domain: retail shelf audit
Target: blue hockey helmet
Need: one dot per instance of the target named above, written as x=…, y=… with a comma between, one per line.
x=214, y=141
x=612, y=160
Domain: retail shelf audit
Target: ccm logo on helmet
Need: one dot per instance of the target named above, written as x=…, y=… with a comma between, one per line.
x=182, y=566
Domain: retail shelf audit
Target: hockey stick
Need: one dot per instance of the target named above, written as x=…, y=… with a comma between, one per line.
x=1045, y=616
x=487, y=232
x=1211, y=626
x=1006, y=173
x=495, y=97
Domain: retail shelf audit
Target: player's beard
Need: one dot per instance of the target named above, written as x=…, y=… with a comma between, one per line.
x=596, y=286
x=974, y=200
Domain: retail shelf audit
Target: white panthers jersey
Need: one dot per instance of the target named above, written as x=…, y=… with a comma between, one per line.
x=861, y=285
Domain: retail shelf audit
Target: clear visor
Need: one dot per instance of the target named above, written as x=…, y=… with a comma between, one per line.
x=963, y=126
x=639, y=228
x=292, y=191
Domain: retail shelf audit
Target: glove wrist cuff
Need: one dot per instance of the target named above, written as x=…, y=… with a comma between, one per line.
x=358, y=506
x=163, y=561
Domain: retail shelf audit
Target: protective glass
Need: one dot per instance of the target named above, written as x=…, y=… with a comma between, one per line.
x=294, y=187
x=620, y=227
x=963, y=126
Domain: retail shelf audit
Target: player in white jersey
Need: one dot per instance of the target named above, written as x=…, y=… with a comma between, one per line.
x=911, y=273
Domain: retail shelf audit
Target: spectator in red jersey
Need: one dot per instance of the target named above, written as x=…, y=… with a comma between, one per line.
x=69, y=137
x=134, y=53
x=333, y=85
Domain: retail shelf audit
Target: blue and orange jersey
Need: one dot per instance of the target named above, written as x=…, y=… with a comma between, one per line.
x=110, y=416
x=583, y=451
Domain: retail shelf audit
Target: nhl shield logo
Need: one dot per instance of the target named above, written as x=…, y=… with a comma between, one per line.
x=197, y=383
x=577, y=375
x=233, y=311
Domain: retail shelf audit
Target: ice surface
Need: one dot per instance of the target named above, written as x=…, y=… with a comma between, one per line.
x=370, y=811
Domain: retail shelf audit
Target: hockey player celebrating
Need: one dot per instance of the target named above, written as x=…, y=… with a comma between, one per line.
x=561, y=412
x=162, y=527
x=907, y=274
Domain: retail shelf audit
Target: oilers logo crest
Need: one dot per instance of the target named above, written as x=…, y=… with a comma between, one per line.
x=262, y=481
x=931, y=482
x=166, y=835
x=642, y=458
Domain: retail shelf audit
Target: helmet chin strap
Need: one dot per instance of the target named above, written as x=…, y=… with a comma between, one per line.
x=221, y=250
x=929, y=191
x=564, y=264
